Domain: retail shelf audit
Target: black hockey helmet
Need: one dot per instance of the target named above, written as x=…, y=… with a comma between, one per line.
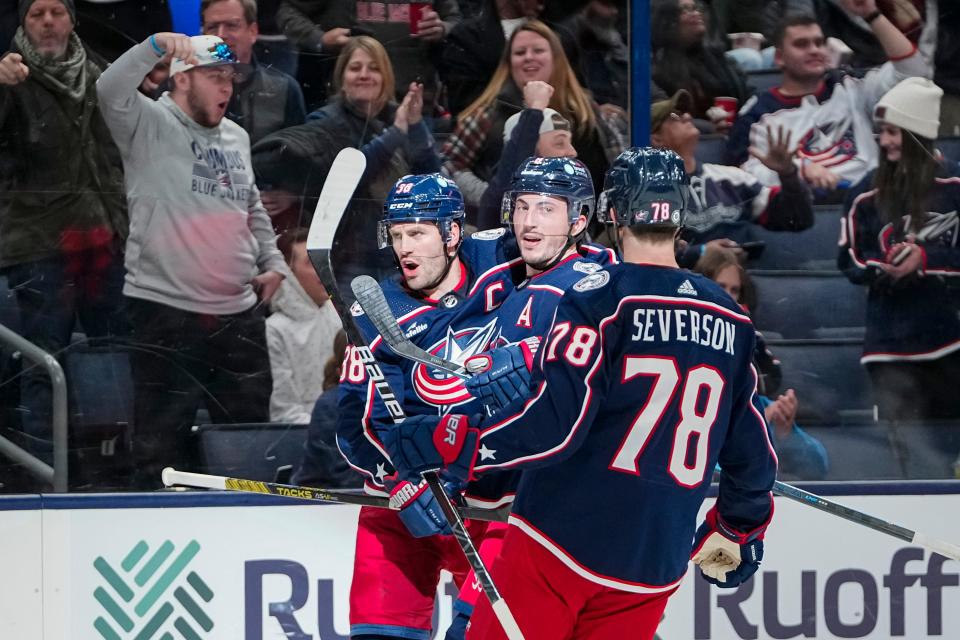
x=645, y=186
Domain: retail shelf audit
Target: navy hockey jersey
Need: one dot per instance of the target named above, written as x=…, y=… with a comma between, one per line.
x=644, y=384
x=915, y=319
x=458, y=325
x=723, y=200
x=529, y=308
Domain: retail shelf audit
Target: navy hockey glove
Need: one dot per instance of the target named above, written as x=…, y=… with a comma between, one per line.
x=432, y=443
x=503, y=374
x=419, y=511
x=458, y=628
x=726, y=557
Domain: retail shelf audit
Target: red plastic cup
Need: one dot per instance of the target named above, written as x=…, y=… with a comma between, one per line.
x=729, y=105
x=416, y=14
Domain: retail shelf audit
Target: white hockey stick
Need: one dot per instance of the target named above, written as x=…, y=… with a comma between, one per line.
x=374, y=304
x=371, y=298
x=342, y=181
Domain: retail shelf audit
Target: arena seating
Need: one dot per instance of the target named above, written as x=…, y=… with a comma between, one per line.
x=9, y=312
x=100, y=413
x=831, y=385
x=812, y=249
x=949, y=147
x=252, y=450
x=797, y=303
x=764, y=79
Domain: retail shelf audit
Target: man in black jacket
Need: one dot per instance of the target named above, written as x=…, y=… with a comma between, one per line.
x=64, y=218
x=264, y=99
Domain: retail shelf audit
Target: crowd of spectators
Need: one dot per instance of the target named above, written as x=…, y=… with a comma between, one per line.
x=101, y=128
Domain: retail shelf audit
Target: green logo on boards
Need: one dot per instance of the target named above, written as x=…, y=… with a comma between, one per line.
x=153, y=595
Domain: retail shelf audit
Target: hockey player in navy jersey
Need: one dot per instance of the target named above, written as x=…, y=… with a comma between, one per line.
x=548, y=207
x=644, y=384
x=443, y=298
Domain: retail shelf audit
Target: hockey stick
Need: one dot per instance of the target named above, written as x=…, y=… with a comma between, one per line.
x=374, y=304
x=370, y=297
x=942, y=547
x=174, y=478
x=341, y=182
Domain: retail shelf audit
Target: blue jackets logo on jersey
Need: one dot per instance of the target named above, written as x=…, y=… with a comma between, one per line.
x=592, y=281
x=833, y=140
x=442, y=389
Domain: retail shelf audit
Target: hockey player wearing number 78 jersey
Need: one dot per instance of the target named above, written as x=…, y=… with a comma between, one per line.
x=643, y=385
x=548, y=207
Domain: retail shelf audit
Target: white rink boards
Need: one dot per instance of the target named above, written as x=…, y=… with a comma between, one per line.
x=234, y=567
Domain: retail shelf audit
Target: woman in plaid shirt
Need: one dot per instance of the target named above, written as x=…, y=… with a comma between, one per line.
x=533, y=52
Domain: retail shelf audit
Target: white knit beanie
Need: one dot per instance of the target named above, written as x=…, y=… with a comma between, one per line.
x=552, y=121
x=914, y=105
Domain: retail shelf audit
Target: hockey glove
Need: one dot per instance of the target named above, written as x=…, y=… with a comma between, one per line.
x=419, y=511
x=431, y=443
x=726, y=557
x=502, y=375
x=458, y=627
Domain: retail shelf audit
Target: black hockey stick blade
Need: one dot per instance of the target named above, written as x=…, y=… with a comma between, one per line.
x=174, y=478
x=374, y=304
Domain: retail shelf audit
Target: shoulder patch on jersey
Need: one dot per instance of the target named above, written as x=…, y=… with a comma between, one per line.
x=356, y=309
x=592, y=281
x=489, y=234
x=687, y=289
x=586, y=267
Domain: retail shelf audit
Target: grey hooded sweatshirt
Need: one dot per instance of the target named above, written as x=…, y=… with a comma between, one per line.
x=198, y=232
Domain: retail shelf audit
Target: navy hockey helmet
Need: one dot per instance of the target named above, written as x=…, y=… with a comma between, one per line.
x=429, y=197
x=565, y=178
x=645, y=186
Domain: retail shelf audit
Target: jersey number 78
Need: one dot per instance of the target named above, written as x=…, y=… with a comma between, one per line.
x=693, y=427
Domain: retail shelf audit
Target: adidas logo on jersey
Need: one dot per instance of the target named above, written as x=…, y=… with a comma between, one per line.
x=687, y=289
x=416, y=329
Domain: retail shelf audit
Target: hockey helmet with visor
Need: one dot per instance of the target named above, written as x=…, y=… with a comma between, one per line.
x=645, y=187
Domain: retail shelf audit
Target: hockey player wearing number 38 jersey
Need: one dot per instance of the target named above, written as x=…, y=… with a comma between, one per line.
x=443, y=299
x=643, y=385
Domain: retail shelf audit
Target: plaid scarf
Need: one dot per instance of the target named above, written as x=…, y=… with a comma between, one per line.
x=67, y=76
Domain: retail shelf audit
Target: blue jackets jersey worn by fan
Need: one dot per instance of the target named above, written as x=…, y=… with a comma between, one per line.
x=723, y=200
x=529, y=309
x=644, y=384
x=914, y=319
x=833, y=126
x=458, y=325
